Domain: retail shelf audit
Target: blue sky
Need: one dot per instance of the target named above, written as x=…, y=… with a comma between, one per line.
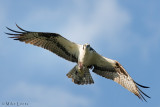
x=127, y=31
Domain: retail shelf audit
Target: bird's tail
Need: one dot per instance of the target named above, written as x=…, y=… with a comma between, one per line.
x=80, y=77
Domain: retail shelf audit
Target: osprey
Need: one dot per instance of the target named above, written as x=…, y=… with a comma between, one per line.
x=85, y=57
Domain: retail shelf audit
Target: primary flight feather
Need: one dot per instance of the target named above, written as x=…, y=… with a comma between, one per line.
x=85, y=57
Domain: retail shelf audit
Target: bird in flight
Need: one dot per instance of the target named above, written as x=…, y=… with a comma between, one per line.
x=85, y=56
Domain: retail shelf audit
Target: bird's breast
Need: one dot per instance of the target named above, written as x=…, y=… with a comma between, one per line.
x=86, y=59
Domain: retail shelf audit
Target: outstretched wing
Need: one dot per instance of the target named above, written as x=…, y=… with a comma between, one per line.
x=50, y=41
x=113, y=70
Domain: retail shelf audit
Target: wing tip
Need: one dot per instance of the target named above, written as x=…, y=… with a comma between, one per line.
x=22, y=31
x=21, y=28
x=142, y=85
x=16, y=34
x=140, y=93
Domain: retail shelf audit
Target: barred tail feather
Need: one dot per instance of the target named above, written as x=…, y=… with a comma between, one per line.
x=80, y=77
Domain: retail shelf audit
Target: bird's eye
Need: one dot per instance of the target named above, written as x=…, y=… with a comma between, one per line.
x=88, y=46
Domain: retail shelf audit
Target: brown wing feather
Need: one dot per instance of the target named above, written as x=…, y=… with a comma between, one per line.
x=50, y=41
x=113, y=70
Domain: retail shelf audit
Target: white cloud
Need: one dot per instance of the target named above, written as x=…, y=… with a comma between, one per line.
x=105, y=17
x=84, y=21
x=43, y=96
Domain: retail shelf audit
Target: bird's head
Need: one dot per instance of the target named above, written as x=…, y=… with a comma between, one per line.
x=86, y=46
